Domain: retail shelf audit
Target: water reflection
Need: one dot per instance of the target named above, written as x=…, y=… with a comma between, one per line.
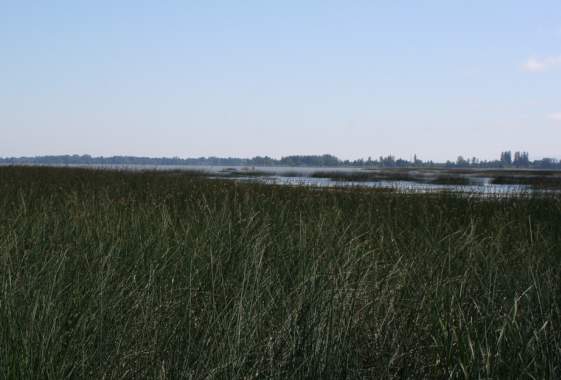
x=484, y=186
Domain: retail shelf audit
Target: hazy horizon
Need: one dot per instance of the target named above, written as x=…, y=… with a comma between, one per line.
x=373, y=157
x=189, y=79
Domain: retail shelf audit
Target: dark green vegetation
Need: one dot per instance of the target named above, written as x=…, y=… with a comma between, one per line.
x=169, y=275
x=366, y=175
x=536, y=181
x=243, y=173
x=443, y=177
x=451, y=180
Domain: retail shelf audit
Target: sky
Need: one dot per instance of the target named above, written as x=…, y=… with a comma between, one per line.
x=244, y=78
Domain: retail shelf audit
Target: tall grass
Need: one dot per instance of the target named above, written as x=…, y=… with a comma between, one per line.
x=161, y=275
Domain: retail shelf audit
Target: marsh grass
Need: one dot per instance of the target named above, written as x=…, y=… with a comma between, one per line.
x=108, y=274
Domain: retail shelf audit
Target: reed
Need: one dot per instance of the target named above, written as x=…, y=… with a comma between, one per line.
x=107, y=274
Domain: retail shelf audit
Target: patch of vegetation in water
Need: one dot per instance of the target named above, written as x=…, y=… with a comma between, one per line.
x=291, y=173
x=451, y=180
x=107, y=274
x=244, y=173
x=545, y=182
x=364, y=176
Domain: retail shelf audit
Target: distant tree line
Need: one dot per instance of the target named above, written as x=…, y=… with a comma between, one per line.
x=506, y=160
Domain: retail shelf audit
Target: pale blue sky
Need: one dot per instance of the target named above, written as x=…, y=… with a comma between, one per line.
x=244, y=78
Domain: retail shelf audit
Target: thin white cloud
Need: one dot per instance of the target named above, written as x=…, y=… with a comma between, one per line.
x=556, y=116
x=535, y=65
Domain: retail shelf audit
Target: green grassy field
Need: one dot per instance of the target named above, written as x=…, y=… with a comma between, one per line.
x=171, y=275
